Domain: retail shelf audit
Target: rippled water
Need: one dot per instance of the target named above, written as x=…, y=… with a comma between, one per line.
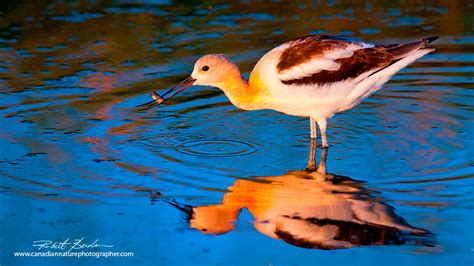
x=78, y=160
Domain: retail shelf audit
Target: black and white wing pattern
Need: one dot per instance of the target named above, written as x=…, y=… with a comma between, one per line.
x=322, y=59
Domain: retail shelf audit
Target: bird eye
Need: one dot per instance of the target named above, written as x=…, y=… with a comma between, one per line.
x=205, y=68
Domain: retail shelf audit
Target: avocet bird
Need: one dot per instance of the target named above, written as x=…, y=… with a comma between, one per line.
x=314, y=76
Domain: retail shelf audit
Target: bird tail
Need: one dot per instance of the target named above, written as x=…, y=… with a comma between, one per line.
x=404, y=54
x=402, y=50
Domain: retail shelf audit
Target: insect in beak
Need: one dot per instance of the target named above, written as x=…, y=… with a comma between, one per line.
x=159, y=99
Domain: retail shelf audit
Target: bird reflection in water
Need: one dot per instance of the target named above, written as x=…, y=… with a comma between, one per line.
x=309, y=208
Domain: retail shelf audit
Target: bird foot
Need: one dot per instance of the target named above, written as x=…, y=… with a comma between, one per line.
x=311, y=166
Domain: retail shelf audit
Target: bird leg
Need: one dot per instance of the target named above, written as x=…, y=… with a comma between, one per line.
x=312, y=154
x=322, y=163
x=314, y=133
x=322, y=128
x=312, y=151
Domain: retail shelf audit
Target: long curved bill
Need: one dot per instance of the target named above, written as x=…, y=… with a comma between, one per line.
x=159, y=99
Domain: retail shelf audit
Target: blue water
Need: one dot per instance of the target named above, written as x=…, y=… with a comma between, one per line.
x=78, y=160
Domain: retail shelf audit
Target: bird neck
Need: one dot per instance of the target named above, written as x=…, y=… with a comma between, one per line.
x=240, y=93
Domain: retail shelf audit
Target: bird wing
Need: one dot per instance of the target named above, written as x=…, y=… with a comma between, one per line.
x=321, y=59
x=327, y=59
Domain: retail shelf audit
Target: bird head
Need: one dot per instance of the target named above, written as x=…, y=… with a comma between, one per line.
x=210, y=70
x=213, y=70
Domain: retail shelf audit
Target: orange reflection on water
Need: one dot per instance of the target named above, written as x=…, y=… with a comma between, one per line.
x=309, y=209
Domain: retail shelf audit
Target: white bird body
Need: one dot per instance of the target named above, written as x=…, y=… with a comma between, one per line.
x=321, y=101
x=314, y=76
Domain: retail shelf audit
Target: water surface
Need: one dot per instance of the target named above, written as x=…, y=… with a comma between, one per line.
x=78, y=160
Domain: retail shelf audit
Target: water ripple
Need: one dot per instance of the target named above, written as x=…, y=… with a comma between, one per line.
x=217, y=148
